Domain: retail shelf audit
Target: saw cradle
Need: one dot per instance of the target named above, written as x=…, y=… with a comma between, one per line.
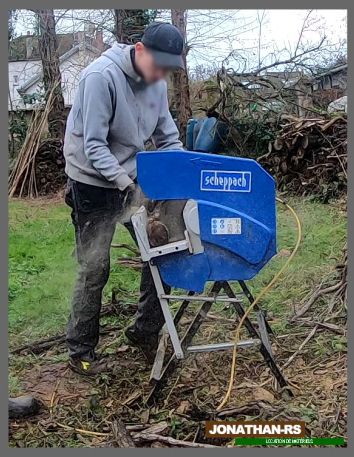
x=230, y=234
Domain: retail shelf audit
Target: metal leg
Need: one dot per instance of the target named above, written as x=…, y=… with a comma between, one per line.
x=268, y=356
x=166, y=312
x=263, y=325
x=182, y=308
x=261, y=337
x=250, y=298
x=186, y=340
x=155, y=374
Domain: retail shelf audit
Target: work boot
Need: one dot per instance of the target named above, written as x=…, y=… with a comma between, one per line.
x=147, y=343
x=89, y=368
x=23, y=406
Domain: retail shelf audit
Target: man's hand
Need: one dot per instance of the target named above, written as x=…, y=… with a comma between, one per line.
x=133, y=198
x=129, y=193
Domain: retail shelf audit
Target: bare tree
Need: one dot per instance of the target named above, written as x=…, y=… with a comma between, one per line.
x=181, y=96
x=130, y=24
x=48, y=49
x=12, y=17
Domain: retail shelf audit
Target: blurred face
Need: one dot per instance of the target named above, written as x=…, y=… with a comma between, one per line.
x=145, y=62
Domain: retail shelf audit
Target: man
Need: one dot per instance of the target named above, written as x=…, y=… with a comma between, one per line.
x=121, y=103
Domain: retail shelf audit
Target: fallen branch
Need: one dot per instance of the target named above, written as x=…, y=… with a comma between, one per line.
x=130, y=428
x=130, y=262
x=143, y=437
x=332, y=327
x=126, y=246
x=121, y=435
x=251, y=409
x=314, y=297
x=306, y=340
x=38, y=347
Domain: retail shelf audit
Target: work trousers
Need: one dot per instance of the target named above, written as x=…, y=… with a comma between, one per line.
x=95, y=213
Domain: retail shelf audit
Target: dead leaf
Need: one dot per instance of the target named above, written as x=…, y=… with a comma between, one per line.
x=214, y=389
x=158, y=428
x=263, y=394
x=284, y=253
x=144, y=416
x=134, y=396
x=156, y=444
x=184, y=407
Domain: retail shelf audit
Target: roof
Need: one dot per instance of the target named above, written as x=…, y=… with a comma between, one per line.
x=18, y=46
x=37, y=77
x=333, y=70
x=66, y=41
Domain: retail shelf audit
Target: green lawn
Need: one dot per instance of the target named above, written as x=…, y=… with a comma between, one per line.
x=42, y=268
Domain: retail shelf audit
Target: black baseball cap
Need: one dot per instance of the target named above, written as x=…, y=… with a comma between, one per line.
x=165, y=42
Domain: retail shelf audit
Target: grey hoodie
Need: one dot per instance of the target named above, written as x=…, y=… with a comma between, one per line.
x=114, y=113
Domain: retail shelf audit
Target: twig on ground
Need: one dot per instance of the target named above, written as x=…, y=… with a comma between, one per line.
x=143, y=437
x=314, y=297
x=306, y=340
x=126, y=246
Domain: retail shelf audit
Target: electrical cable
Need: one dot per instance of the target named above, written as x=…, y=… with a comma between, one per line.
x=260, y=295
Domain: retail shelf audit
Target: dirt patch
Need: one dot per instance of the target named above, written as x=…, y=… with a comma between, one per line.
x=50, y=382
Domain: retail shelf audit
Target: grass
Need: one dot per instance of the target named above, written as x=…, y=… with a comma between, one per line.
x=42, y=274
x=324, y=235
x=42, y=268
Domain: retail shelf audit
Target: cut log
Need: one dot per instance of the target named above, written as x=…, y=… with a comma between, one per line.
x=121, y=435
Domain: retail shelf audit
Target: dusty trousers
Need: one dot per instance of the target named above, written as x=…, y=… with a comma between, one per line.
x=95, y=212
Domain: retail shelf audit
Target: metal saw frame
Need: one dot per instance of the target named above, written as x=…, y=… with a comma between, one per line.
x=183, y=347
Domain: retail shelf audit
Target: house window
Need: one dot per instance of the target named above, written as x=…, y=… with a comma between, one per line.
x=15, y=80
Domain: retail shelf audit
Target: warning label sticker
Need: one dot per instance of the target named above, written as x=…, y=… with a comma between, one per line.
x=226, y=226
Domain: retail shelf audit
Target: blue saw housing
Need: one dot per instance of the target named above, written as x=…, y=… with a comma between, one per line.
x=236, y=208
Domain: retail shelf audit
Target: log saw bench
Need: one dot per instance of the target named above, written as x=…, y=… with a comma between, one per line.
x=229, y=234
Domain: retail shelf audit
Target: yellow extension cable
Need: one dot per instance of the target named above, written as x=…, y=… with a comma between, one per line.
x=261, y=294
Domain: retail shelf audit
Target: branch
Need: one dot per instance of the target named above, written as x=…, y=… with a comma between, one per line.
x=291, y=59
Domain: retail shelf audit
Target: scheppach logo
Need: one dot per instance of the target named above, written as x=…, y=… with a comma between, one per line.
x=225, y=181
x=261, y=429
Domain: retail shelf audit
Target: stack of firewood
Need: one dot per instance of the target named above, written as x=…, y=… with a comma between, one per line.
x=39, y=166
x=309, y=156
x=50, y=166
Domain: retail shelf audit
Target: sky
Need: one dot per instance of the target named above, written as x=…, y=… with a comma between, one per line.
x=280, y=29
x=213, y=34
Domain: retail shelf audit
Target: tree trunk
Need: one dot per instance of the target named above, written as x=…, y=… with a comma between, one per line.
x=120, y=16
x=181, y=97
x=130, y=24
x=48, y=49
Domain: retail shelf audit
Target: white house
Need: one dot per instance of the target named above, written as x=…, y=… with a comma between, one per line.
x=76, y=51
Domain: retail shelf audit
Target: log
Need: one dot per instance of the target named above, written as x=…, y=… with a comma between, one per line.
x=121, y=435
x=304, y=158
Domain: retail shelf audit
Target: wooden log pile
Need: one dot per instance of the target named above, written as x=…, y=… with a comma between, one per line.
x=39, y=166
x=50, y=165
x=309, y=156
